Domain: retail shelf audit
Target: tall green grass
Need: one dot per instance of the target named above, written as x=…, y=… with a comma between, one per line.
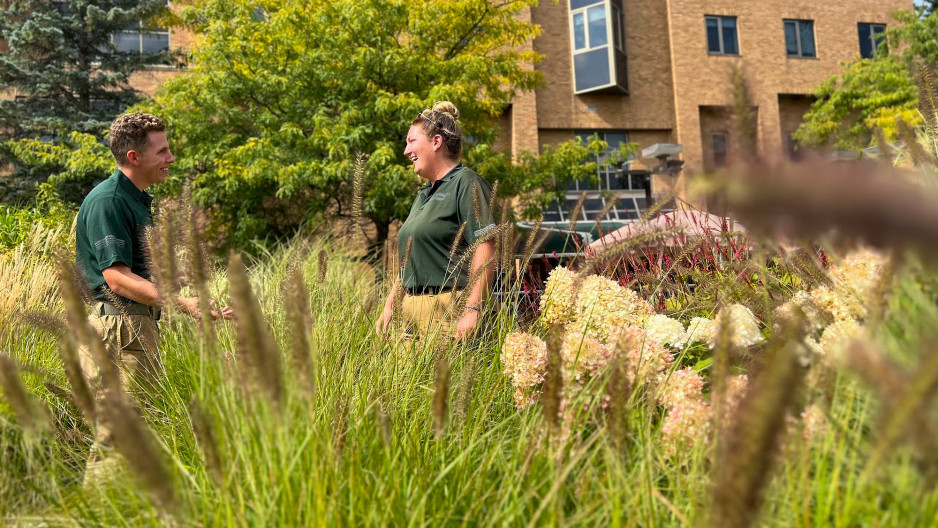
x=357, y=443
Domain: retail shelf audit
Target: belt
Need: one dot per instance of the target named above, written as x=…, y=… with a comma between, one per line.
x=427, y=290
x=134, y=308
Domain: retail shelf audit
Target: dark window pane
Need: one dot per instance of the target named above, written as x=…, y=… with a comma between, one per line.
x=791, y=38
x=616, y=140
x=642, y=205
x=576, y=4
x=552, y=212
x=866, y=41
x=591, y=69
x=713, y=36
x=807, y=38
x=730, y=46
x=155, y=42
x=579, y=31
x=127, y=42
x=718, y=142
x=597, y=24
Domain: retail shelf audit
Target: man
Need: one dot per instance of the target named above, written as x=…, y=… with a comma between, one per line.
x=110, y=253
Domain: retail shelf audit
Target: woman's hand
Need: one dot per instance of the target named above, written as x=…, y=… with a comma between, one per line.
x=467, y=324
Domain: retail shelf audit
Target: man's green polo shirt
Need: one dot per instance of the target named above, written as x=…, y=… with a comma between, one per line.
x=110, y=229
x=438, y=212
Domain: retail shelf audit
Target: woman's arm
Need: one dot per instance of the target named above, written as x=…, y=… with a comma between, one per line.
x=483, y=267
x=384, y=320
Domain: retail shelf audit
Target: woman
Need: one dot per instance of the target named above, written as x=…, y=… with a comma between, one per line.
x=454, y=203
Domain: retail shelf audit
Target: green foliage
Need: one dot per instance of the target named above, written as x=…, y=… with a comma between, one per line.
x=874, y=93
x=538, y=180
x=281, y=100
x=870, y=93
x=72, y=164
x=67, y=75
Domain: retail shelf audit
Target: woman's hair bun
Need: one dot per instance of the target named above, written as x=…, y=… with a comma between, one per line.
x=446, y=107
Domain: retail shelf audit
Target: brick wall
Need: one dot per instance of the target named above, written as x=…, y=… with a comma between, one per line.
x=675, y=83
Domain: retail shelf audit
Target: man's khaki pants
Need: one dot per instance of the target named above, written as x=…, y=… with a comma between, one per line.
x=130, y=344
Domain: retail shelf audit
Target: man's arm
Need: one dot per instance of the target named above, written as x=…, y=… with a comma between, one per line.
x=128, y=284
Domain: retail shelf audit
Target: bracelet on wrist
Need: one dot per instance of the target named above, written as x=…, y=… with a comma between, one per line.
x=476, y=308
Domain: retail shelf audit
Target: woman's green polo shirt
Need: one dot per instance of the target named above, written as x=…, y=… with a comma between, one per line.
x=439, y=211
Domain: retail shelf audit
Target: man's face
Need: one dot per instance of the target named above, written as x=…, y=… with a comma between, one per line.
x=154, y=161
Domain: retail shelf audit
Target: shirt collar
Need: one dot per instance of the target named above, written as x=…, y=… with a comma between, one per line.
x=446, y=177
x=124, y=183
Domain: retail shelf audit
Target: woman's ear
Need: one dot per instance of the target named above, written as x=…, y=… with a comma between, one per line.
x=437, y=142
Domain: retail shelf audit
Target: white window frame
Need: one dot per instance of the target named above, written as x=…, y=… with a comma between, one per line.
x=614, y=40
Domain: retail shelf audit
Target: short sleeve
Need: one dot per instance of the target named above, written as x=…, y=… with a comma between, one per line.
x=474, y=209
x=110, y=233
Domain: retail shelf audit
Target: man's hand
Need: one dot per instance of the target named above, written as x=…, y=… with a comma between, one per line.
x=384, y=321
x=190, y=305
x=467, y=324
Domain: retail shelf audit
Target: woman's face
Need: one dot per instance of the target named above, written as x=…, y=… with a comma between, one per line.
x=421, y=150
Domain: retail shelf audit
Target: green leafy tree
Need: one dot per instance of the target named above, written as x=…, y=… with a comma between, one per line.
x=874, y=93
x=869, y=94
x=280, y=101
x=65, y=72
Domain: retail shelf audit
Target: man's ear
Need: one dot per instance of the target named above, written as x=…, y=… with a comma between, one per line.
x=132, y=157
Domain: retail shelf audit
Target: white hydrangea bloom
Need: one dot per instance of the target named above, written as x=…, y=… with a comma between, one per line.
x=700, y=330
x=664, y=330
x=743, y=327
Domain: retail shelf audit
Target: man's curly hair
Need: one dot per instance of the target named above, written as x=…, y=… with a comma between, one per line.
x=129, y=132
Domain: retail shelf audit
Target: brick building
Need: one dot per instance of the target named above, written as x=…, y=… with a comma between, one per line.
x=658, y=71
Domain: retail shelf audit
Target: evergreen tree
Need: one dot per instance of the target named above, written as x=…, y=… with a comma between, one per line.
x=62, y=68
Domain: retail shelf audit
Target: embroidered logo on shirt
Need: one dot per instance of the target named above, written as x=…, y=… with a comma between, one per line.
x=109, y=240
x=438, y=197
x=484, y=231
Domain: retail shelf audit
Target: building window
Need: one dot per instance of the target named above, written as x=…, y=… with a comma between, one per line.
x=871, y=37
x=718, y=144
x=610, y=191
x=598, y=42
x=721, y=35
x=799, y=38
x=137, y=40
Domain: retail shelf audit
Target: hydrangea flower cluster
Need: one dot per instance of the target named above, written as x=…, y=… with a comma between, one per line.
x=557, y=301
x=801, y=302
x=602, y=307
x=683, y=385
x=700, y=330
x=664, y=330
x=524, y=360
x=648, y=361
x=583, y=355
x=854, y=284
x=743, y=327
x=686, y=424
